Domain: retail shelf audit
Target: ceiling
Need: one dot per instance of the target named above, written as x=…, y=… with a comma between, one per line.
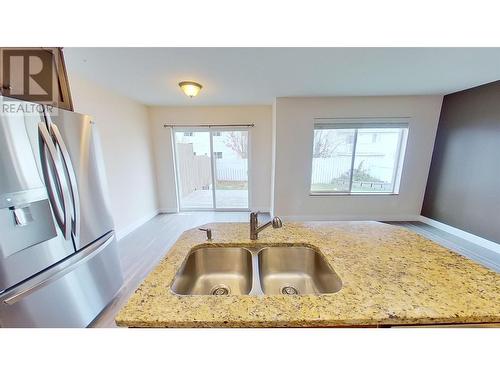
x=246, y=76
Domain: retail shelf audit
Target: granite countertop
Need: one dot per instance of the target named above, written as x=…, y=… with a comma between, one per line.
x=390, y=276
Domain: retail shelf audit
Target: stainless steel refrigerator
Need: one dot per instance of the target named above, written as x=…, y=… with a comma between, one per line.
x=59, y=265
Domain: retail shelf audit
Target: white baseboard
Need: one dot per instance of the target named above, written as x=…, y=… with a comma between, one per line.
x=261, y=209
x=350, y=217
x=168, y=210
x=136, y=224
x=480, y=241
x=173, y=210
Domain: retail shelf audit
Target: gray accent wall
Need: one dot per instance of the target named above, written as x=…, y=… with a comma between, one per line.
x=463, y=189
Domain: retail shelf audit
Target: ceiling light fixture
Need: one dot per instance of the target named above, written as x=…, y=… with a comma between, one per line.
x=190, y=88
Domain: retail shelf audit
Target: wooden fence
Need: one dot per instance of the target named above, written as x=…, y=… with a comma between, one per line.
x=194, y=170
x=232, y=169
x=327, y=169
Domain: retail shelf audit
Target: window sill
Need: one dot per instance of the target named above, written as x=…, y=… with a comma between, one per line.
x=311, y=194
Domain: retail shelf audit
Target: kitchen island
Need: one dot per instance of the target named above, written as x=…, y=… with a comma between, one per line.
x=390, y=277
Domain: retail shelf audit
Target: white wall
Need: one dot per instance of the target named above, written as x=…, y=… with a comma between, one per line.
x=294, y=124
x=142, y=181
x=273, y=158
x=260, y=151
x=126, y=141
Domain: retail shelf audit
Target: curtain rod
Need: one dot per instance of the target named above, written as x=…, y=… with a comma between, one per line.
x=210, y=126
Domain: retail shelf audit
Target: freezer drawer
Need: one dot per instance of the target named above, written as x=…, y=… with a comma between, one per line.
x=70, y=296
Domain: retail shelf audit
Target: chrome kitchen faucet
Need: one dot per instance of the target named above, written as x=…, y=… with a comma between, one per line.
x=254, y=224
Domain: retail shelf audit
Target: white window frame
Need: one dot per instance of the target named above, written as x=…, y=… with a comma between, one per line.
x=365, y=123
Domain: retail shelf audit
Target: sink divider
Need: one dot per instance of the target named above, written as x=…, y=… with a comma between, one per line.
x=256, y=284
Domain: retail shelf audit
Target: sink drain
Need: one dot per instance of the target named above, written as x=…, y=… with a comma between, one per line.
x=289, y=290
x=220, y=290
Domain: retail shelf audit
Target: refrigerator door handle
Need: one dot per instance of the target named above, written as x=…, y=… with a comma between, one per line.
x=62, y=214
x=68, y=166
x=57, y=271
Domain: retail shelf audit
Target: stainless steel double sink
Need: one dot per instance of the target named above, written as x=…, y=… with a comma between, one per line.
x=273, y=270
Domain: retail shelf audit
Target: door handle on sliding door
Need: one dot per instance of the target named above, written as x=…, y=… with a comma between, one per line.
x=70, y=172
x=57, y=189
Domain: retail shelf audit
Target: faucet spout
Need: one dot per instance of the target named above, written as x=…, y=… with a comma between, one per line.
x=255, y=228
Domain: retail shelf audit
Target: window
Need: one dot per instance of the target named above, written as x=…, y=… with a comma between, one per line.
x=188, y=134
x=216, y=134
x=218, y=154
x=357, y=157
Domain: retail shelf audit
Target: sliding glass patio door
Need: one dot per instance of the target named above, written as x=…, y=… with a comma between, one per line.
x=212, y=169
x=194, y=170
